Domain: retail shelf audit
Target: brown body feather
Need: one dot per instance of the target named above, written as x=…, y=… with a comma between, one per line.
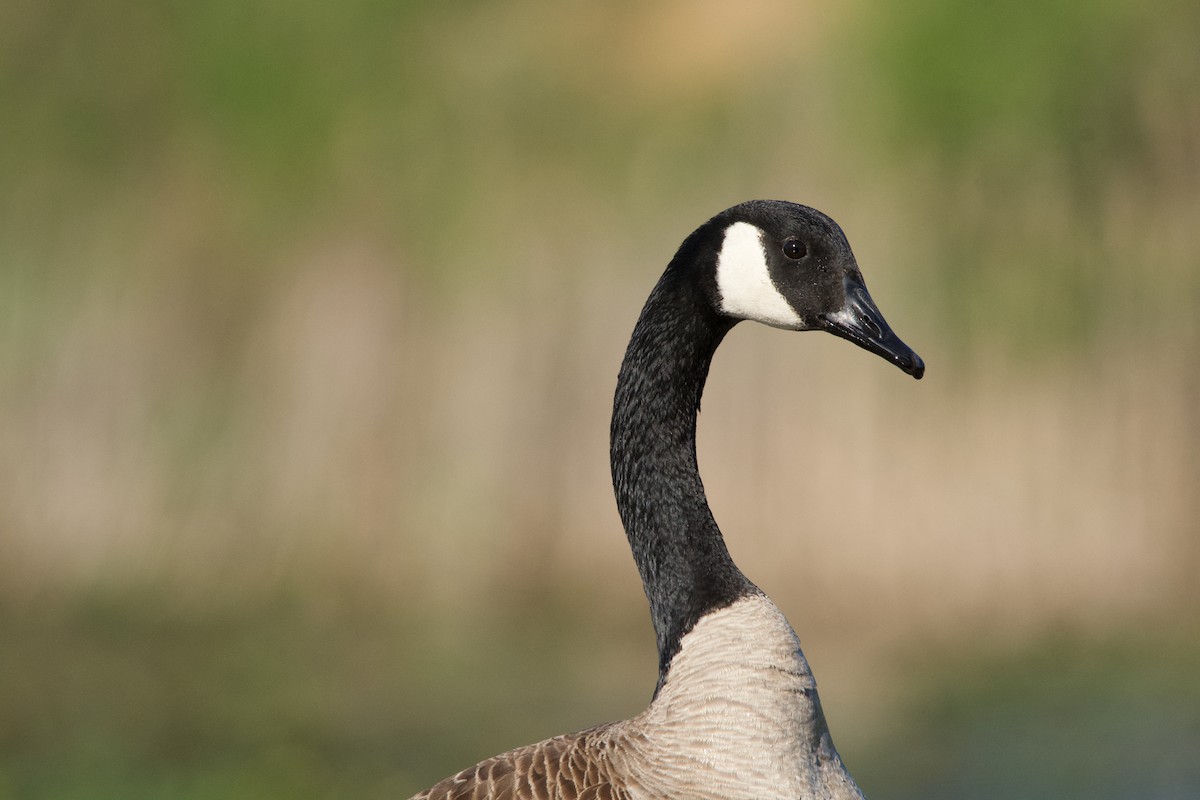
x=570, y=767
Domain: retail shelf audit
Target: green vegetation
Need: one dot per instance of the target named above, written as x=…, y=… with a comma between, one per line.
x=127, y=699
x=1063, y=716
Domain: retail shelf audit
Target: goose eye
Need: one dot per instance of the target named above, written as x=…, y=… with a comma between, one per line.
x=795, y=249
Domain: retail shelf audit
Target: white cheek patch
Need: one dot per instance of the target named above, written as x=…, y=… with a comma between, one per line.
x=744, y=280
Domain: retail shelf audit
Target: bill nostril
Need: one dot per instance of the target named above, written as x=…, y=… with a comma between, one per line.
x=871, y=325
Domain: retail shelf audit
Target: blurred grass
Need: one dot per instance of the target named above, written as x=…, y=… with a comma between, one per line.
x=310, y=316
x=126, y=698
x=1054, y=131
x=1072, y=714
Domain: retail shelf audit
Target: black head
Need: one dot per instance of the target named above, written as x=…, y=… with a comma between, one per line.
x=790, y=266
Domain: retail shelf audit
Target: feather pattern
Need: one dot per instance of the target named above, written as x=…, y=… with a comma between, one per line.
x=577, y=766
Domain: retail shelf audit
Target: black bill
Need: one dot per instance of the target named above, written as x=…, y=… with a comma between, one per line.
x=860, y=322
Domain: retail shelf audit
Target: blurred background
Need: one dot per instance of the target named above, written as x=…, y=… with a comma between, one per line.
x=311, y=315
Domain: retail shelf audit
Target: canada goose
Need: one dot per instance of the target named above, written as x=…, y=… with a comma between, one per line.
x=735, y=713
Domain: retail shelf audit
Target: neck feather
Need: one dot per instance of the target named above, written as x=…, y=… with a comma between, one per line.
x=684, y=564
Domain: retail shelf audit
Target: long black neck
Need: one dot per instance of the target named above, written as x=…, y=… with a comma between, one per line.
x=679, y=551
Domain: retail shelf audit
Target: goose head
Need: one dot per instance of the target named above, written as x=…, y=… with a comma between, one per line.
x=789, y=266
